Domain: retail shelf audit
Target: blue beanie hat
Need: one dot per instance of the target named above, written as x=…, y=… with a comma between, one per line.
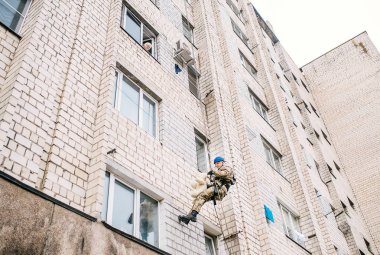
x=218, y=159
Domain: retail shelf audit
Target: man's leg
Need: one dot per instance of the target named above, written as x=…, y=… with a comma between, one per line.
x=201, y=199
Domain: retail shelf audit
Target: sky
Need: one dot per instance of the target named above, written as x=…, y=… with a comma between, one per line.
x=309, y=28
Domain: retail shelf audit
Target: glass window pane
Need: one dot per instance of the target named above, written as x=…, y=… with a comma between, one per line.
x=11, y=12
x=268, y=154
x=209, y=246
x=201, y=155
x=148, y=219
x=122, y=215
x=149, y=41
x=149, y=116
x=129, y=105
x=187, y=29
x=105, y=196
x=133, y=26
x=277, y=162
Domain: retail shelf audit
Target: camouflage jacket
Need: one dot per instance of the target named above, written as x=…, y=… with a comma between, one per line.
x=223, y=175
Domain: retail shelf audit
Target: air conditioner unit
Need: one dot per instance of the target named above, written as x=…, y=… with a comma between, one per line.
x=183, y=53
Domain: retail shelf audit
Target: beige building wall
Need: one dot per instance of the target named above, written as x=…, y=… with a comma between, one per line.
x=346, y=85
x=60, y=131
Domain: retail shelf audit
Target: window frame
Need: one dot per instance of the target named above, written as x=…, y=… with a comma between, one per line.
x=192, y=71
x=263, y=109
x=244, y=61
x=294, y=218
x=239, y=32
x=136, y=206
x=191, y=31
x=273, y=152
x=143, y=24
x=206, y=158
x=117, y=102
x=213, y=243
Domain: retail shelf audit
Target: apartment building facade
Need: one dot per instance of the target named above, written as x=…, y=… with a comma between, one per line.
x=109, y=110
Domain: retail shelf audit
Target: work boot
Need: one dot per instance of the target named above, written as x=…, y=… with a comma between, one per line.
x=190, y=217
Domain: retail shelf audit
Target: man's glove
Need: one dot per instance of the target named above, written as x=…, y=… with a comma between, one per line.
x=210, y=172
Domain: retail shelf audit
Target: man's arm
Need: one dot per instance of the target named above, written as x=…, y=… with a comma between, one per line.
x=223, y=172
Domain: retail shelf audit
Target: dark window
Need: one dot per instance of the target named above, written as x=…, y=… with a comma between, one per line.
x=336, y=166
x=188, y=30
x=193, y=76
x=304, y=85
x=239, y=33
x=316, y=134
x=331, y=171
x=351, y=203
x=369, y=248
x=244, y=61
x=325, y=136
x=258, y=105
x=314, y=110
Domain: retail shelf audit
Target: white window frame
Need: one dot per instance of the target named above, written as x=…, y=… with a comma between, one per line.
x=263, y=110
x=197, y=137
x=294, y=221
x=272, y=153
x=142, y=26
x=117, y=101
x=136, y=205
x=22, y=15
x=212, y=242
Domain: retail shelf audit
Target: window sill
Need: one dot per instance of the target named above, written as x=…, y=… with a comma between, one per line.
x=298, y=244
x=141, y=45
x=278, y=172
x=10, y=30
x=265, y=120
x=135, y=239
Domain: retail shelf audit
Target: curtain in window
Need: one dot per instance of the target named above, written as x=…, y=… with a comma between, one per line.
x=149, y=116
x=148, y=219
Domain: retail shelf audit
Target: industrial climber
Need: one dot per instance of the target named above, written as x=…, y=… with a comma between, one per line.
x=221, y=178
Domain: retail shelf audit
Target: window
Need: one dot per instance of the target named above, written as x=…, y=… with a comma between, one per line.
x=304, y=85
x=244, y=61
x=13, y=12
x=345, y=209
x=291, y=225
x=306, y=106
x=369, y=248
x=201, y=149
x=331, y=171
x=130, y=210
x=272, y=156
x=235, y=10
x=210, y=245
x=314, y=110
x=239, y=33
x=188, y=30
x=139, y=31
x=193, y=81
x=295, y=79
x=316, y=134
x=361, y=252
x=336, y=166
x=325, y=136
x=258, y=105
x=135, y=104
x=351, y=203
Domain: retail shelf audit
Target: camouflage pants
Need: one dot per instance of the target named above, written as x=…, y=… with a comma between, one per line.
x=207, y=195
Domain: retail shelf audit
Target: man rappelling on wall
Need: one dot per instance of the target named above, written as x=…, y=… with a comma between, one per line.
x=219, y=181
